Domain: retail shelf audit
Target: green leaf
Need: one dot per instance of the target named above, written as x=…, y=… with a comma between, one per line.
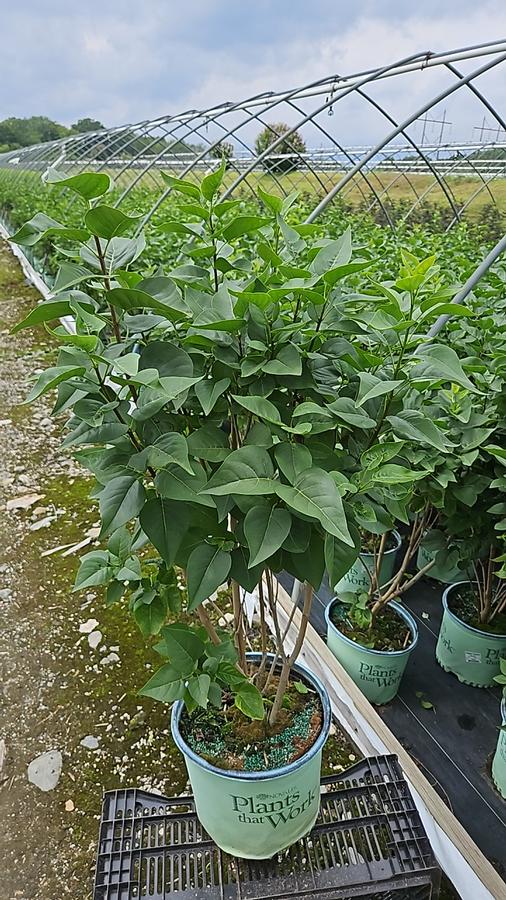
x=247, y=578
x=243, y=225
x=250, y=701
x=133, y=298
x=340, y=557
x=265, y=529
x=42, y=226
x=300, y=687
x=209, y=443
x=292, y=459
x=314, y=494
x=165, y=523
x=248, y=470
x=346, y=409
x=498, y=452
x=87, y=342
x=442, y=363
x=88, y=185
x=70, y=274
x=260, y=407
x=377, y=390
x=342, y=271
x=165, y=685
x=44, y=312
x=287, y=362
x=394, y=474
x=308, y=566
x=209, y=391
x=176, y=484
x=150, y=616
x=130, y=571
x=207, y=569
x=167, y=358
x=107, y=433
x=117, y=253
x=181, y=186
x=299, y=537
x=170, y=448
x=182, y=646
x=335, y=253
x=51, y=377
x=94, y=569
x=210, y=184
x=121, y=499
x=108, y=222
x=273, y=202
x=198, y=688
x=414, y=426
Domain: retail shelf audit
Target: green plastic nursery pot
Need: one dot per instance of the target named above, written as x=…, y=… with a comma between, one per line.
x=470, y=654
x=499, y=760
x=377, y=673
x=439, y=572
x=256, y=814
x=357, y=579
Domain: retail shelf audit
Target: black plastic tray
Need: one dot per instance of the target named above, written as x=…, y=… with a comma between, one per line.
x=368, y=842
x=452, y=742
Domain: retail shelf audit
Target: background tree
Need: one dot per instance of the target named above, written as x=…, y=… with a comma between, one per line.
x=15, y=132
x=83, y=125
x=223, y=150
x=285, y=156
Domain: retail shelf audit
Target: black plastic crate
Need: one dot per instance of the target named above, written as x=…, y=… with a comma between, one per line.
x=368, y=842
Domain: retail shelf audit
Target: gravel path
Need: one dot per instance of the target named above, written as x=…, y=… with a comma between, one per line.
x=69, y=668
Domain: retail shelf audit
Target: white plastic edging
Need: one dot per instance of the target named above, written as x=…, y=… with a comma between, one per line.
x=34, y=277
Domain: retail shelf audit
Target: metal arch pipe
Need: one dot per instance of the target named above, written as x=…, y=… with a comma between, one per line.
x=152, y=162
x=416, y=148
x=401, y=174
x=484, y=186
x=477, y=193
x=335, y=99
x=376, y=149
x=427, y=191
x=197, y=132
x=350, y=159
x=198, y=115
x=229, y=133
x=224, y=109
x=470, y=284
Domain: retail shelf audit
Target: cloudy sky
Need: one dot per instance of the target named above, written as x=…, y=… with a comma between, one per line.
x=126, y=60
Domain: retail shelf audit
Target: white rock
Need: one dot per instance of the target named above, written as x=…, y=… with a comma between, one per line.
x=23, y=502
x=109, y=660
x=90, y=742
x=69, y=806
x=88, y=626
x=42, y=523
x=44, y=771
x=94, y=639
x=5, y=594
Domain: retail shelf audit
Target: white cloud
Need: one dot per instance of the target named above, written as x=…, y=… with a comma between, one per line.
x=126, y=61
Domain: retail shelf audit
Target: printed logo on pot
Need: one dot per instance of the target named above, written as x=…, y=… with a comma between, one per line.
x=276, y=812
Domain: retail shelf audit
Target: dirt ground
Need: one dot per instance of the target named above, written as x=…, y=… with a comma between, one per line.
x=70, y=669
